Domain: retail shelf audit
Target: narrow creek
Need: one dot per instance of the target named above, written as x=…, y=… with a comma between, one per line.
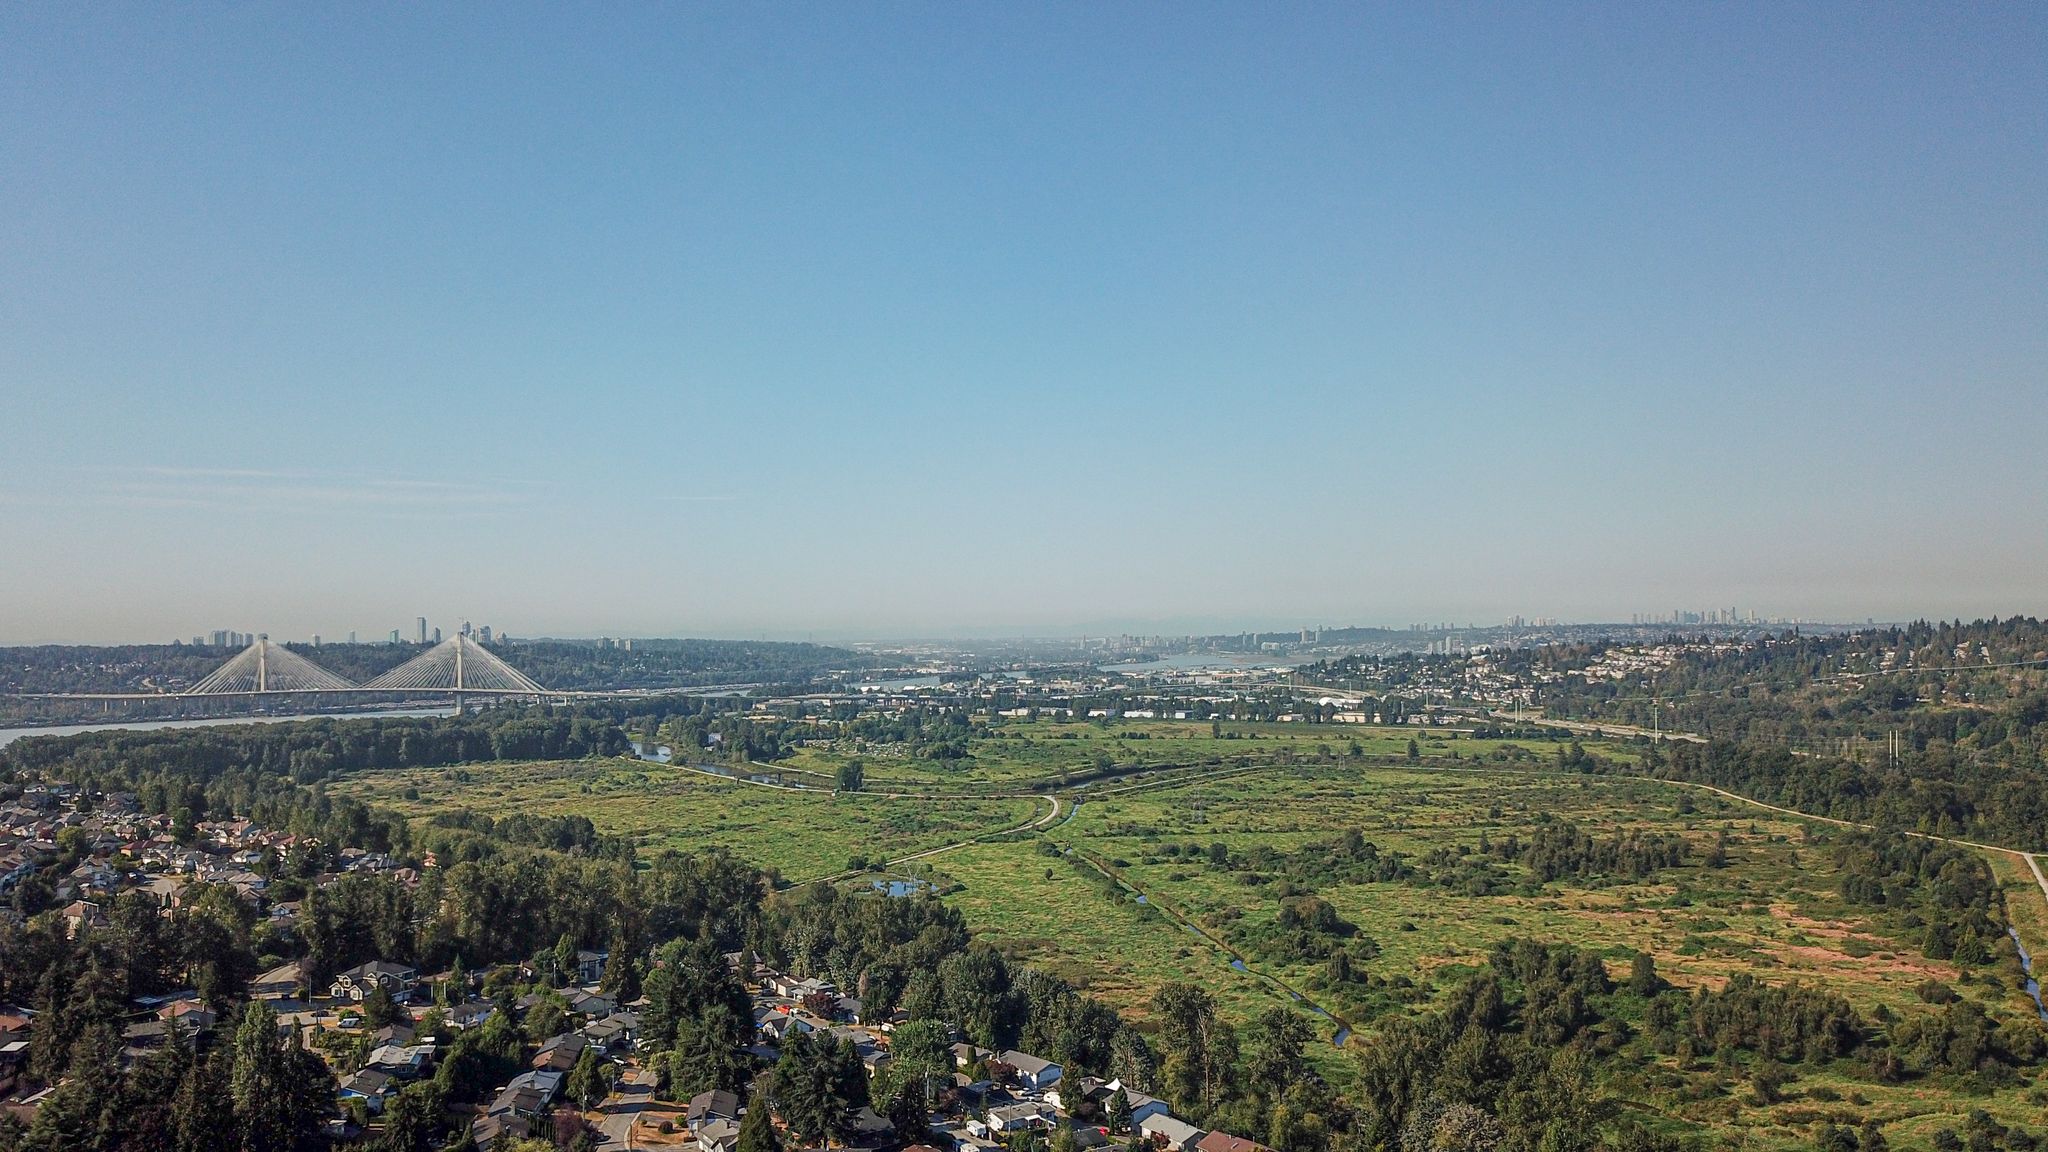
x=2027, y=963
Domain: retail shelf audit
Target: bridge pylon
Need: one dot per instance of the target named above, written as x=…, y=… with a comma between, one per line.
x=458, y=664
x=264, y=667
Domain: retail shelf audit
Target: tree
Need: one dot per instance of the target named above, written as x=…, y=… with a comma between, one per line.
x=1201, y=1050
x=1132, y=1061
x=213, y=931
x=621, y=976
x=379, y=1008
x=279, y=1092
x=565, y=960
x=84, y=1111
x=1119, y=1110
x=1642, y=975
x=921, y=1052
x=201, y=1113
x=710, y=1053
x=410, y=1119
x=1414, y=750
x=905, y=1107
x=546, y=1019
x=976, y=987
x=1278, y=1040
x=809, y=1091
x=852, y=774
x=757, y=1128
x=587, y=1086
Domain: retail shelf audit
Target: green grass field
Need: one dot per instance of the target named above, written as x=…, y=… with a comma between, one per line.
x=800, y=835
x=1017, y=751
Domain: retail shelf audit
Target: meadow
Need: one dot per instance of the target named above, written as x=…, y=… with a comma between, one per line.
x=1186, y=864
x=799, y=835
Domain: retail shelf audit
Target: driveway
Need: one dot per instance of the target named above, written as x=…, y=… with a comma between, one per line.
x=635, y=1091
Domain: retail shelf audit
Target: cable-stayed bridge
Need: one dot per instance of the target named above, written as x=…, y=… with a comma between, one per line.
x=458, y=666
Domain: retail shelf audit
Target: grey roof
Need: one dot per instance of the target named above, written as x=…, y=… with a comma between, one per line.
x=1026, y=1063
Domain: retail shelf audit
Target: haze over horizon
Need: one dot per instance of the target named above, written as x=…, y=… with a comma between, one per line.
x=944, y=322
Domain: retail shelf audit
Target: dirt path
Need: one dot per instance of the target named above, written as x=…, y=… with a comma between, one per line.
x=1037, y=823
x=2034, y=866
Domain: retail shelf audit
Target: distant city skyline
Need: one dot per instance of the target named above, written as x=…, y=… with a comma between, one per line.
x=1042, y=320
x=1675, y=618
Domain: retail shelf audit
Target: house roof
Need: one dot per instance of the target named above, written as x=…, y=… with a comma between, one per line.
x=717, y=1102
x=1225, y=1142
x=1175, y=1129
x=1026, y=1063
x=368, y=1082
x=379, y=968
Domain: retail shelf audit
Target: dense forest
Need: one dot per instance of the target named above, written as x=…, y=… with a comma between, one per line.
x=1980, y=687
x=1940, y=792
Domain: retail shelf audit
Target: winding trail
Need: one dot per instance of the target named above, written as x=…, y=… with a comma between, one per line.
x=1037, y=823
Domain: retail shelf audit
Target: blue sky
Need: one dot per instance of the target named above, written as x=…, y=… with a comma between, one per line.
x=962, y=319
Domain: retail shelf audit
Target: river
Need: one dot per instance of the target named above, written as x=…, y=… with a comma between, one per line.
x=10, y=735
x=1206, y=662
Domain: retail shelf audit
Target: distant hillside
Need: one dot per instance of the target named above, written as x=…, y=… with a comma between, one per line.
x=1976, y=686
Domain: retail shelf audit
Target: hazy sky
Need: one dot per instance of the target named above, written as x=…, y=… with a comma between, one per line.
x=887, y=319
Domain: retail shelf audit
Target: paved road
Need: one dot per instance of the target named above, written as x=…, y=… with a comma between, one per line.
x=623, y=1107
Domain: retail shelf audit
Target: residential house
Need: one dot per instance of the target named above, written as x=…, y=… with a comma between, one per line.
x=1019, y=1117
x=190, y=1015
x=1144, y=1107
x=395, y=1033
x=560, y=1053
x=616, y=1031
x=405, y=1061
x=595, y=1005
x=372, y=1086
x=1170, y=1131
x=718, y=1136
x=706, y=1107
x=1032, y=1072
x=356, y=983
x=164, y=890
x=470, y=1014
x=526, y=1099
x=80, y=915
